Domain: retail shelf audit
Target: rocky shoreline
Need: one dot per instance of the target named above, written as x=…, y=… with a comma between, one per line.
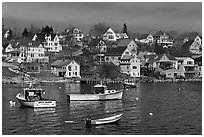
x=18, y=80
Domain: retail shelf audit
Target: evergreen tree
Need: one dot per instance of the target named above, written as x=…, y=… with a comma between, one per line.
x=125, y=29
x=47, y=30
x=25, y=33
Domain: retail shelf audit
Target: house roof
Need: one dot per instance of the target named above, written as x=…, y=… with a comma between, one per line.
x=115, y=51
x=170, y=57
x=61, y=63
x=56, y=62
x=188, y=43
x=124, y=42
x=144, y=36
x=150, y=56
x=182, y=58
x=172, y=70
x=127, y=57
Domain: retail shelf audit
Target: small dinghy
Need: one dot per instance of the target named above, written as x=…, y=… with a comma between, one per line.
x=108, y=120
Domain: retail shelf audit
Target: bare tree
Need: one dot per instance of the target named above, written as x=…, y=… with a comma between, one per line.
x=99, y=29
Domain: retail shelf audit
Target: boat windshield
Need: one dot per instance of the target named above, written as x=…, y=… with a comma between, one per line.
x=99, y=90
x=33, y=93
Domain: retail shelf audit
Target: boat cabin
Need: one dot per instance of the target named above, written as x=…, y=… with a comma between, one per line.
x=33, y=93
x=102, y=89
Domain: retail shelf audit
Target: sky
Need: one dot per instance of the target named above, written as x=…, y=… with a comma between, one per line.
x=140, y=17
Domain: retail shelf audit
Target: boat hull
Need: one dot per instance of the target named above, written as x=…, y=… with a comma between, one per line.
x=43, y=103
x=107, y=120
x=95, y=97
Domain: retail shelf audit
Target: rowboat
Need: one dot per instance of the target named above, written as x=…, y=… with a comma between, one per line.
x=107, y=120
x=101, y=93
x=32, y=97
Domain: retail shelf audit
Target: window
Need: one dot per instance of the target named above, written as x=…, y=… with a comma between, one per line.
x=69, y=73
x=110, y=37
x=69, y=68
x=189, y=62
x=75, y=73
x=75, y=67
x=127, y=67
x=134, y=67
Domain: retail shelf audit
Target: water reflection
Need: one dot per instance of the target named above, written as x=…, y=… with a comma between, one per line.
x=72, y=88
x=41, y=111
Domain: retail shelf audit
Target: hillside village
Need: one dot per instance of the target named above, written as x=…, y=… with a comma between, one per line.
x=104, y=53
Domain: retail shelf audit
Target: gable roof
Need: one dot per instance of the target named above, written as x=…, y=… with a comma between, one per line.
x=150, y=56
x=144, y=36
x=170, y=57
x=183, y=58
x=61, y=63
x=118, y=51
x=188, y=43
x=124, y=42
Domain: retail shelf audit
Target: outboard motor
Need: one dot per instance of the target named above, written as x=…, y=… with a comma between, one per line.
x=88, y=122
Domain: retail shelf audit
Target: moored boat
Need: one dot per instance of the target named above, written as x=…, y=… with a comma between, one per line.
x=130, y=83
x=101, y=93
x=33, y=97
x=107, y=120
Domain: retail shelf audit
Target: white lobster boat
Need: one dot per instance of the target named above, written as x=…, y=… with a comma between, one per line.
x=101, y=93
x=32, y=97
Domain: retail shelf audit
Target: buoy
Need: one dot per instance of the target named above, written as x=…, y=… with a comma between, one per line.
x=179, y=88
x=150, y=114
x=137, y=98
x=12, y=103
x=59, y=87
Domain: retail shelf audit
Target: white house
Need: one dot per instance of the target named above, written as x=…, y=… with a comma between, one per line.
x=196, y=46
x=110, y=35
x=78, y=34
x=34, y=51
x=7, y=33
x=130, y=44
x=102, y=46
x=9, y=48
x=146, y=38
x=34, y=37
x=130, y=65
x=126, y=47
x=52, y=43
x=165, y=41
x=186, y=64
x=66, y=68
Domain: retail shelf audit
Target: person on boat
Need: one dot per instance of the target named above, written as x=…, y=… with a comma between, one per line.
x=40, y=94
x=88, y=122
x=26, y=95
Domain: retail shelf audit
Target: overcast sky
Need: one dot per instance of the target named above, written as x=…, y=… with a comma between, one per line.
x=139, y=17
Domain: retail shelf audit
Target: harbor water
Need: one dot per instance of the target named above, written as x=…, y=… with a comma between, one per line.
x=149, y=109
